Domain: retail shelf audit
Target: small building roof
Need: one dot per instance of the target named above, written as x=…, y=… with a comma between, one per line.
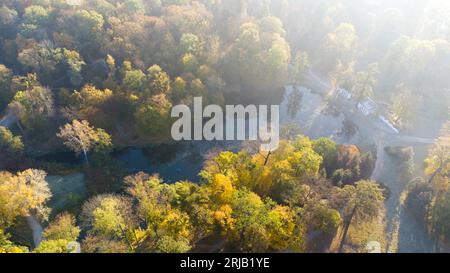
x=344, y=93
x=373, y=247
x=389, y=124
x=369, y=104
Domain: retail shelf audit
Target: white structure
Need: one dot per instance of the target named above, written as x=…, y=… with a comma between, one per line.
x=344, y=93
x=373, y=247
x=389, y=125
x=74, y=247
x=367, y=107
x=73, y=2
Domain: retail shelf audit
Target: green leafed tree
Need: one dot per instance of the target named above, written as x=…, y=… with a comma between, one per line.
x=158, y=80
x=6, y=246
x=33, y=107
x=62, y=228
x=153, y=117
x=300, y=65
x=338, y=47
x=364, y=82
x=6, y=94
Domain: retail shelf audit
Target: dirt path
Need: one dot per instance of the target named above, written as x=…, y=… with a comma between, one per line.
x=8, y=120
x=380, y=156
x=404, y=233
x=36, y=228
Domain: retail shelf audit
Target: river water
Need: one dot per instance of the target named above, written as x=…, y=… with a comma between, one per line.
x=184, y=160
x=173, y=162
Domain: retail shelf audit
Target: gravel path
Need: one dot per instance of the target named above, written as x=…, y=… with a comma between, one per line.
x=36, y=228
x=404, y=233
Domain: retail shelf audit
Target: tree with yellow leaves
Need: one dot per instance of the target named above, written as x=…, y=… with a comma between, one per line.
x=62, y=227
x=262, y=226
x=22, y=194
x=360, y=202
x=10, y=143
x=222, y=189
x=163, y=221
x=108, y=217
x=6, y=246
x=89, y=96
x=438, y=161
x=438, y=167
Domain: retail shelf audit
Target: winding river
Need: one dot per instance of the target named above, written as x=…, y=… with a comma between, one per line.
x=184, y=160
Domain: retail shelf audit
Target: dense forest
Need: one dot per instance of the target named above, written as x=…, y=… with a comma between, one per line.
x=92, y=78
